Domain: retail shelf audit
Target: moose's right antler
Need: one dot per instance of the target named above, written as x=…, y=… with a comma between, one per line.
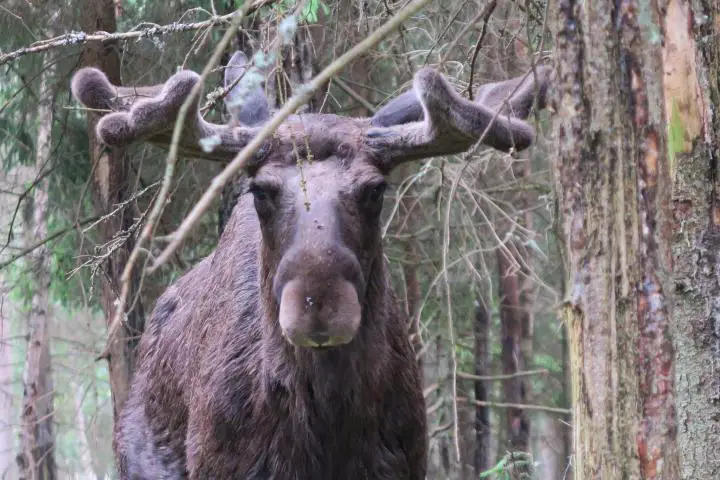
x=432, y=119
x=149, y=113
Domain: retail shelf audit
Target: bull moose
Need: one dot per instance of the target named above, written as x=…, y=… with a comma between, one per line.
x=283, y=354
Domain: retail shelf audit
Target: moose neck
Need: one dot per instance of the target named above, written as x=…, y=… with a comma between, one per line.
x=335, y=373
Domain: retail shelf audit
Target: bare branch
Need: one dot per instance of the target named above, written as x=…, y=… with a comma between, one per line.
x=528, y=373
x=81, y=38
x=521, y=406
x=49, y=238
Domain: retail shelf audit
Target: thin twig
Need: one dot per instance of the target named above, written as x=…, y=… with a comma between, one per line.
x=490, y=378
x=355, y=95
x=446, y=279
x=81, y=38
x=47, y=239
x=487, y=11
x=521, y=406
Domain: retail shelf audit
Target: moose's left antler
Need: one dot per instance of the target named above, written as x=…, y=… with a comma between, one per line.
x=432, y=119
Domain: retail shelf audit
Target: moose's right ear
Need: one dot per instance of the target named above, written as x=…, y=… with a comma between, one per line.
x=246, y=100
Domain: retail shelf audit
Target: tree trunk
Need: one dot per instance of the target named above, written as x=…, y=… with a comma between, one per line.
x=8, y=415
x=482, y=367
x=614, y=193
x=692, y=93
x=512, y=319
x=36, y=458
x=83, y=446
x=111, y=182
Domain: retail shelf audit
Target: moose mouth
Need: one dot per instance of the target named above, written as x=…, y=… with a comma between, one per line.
x=326, y=321
x=316, y=341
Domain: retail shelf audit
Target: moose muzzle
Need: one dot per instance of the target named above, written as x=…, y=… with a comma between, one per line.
x=320, y=300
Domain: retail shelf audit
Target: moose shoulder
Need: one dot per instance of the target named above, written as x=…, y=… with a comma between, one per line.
x=283, y=355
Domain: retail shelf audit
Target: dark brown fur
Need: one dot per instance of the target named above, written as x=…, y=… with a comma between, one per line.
x=220, y=390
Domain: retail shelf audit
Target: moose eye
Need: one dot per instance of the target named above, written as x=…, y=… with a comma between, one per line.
x=373, y=197
x=263, y=196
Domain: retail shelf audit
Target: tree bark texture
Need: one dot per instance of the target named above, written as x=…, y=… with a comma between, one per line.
x=36, y=459
x=692, y=94
x=614, y=193
x=111, y=186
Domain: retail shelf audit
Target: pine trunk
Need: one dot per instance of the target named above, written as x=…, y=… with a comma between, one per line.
x=614, y=193
x=36, y=458
x=692, y=93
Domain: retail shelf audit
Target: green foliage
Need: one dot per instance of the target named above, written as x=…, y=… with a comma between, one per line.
x=309, y=12
x=513, y=465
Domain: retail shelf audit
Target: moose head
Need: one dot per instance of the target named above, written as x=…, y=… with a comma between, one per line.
x=318, y=183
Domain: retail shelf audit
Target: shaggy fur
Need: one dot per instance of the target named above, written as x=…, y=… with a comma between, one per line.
x=221, y=394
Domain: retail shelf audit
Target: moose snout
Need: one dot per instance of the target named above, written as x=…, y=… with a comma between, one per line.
x=319, y=317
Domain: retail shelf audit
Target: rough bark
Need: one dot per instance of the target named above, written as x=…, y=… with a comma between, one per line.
x=692, y=72
x=36, y=459
x=482, y=368
x=614, y=191
x=111, y=186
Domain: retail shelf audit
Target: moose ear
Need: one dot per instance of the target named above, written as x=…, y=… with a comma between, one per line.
x=404, y=108
x=246, y=100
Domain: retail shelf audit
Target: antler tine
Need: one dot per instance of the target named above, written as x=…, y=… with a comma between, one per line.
x=149, y=113
x=517, y=95
x=94, y=90
x=451, y=124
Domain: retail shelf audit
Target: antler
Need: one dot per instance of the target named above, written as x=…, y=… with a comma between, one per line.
x=432, y=119
x=429, y=120
x=149, y=113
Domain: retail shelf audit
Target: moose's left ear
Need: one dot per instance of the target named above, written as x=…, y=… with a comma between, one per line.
x=404, y=108
x=246, y=101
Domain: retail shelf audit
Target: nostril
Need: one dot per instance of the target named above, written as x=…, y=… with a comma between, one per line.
x=319, y=338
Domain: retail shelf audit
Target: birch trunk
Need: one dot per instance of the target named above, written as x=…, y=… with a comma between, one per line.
x=36, y=458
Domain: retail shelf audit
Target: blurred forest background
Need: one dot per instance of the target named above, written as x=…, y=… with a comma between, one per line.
x=486, y=300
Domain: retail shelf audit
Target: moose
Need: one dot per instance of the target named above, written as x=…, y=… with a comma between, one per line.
x=284, y=354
